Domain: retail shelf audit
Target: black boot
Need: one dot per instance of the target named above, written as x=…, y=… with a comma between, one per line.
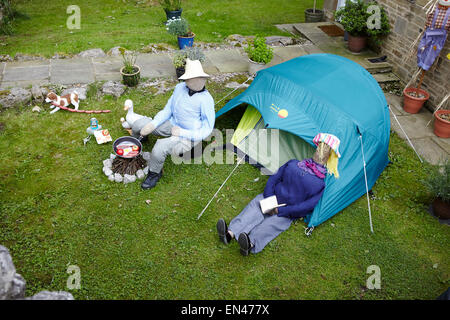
x=244, y=243
x=151, y=180
x=222, y=230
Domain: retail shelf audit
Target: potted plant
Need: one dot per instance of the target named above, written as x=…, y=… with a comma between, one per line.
x=181, y=29
x=172, y=8
x=313, y=15
x=354, y=18
x=131, y=73
x=413, y=99
x=179, y=58
x=259, y=54
x=438, y=183
x=442, y=123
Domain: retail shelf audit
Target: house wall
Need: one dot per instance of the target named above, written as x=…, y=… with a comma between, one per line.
x=407, y=18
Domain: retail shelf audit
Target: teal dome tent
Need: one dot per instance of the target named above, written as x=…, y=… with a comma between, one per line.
x=319, y=93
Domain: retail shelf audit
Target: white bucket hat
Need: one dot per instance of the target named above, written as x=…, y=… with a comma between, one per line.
x=444, y=2
x=193, y=70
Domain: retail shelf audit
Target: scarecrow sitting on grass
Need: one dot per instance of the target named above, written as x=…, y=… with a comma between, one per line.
x=297, y=187
x=185, y=121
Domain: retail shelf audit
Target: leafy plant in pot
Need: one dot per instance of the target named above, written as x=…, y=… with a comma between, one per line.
x=131, y=73
x=438, y=183
x=179, y=58
x=181, y=29
x=355, y=18
x=259, y=54
x=172, y=8
x=313, y=14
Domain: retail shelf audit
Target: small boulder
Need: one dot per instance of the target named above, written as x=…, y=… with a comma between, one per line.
x=48, y=295
x=92, y=53
x=36, y=109
x=140, y=174
x=118, y=177
x=107, y=163
x=107, y=171
x=37, y=93
x=111, y=178
x=145, y=170
x=15, y=97
x=129, y=178
x=81, y=91
x=114, y=88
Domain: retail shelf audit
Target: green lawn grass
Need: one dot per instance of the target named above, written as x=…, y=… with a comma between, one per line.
x=58, y=209
x=134, y=24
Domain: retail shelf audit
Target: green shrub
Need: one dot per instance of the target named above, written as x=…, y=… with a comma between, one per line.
x=170, y=5
x=179, y=27
x=259, y=51
x=438, y=181
x=354, y=18
x=193, y=53
x=129, y=60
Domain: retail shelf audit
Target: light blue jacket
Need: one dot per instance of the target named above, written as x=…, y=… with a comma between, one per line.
x=194, y=114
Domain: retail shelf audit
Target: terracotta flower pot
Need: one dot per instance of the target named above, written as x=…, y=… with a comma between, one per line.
x=441, y=209
x=441, y=126
x=356, y=44
x=413, y=104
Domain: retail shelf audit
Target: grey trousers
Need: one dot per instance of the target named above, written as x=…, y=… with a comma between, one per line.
x=166, y=146
x=261, y=228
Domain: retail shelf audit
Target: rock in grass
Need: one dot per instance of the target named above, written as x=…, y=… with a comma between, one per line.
x=107, y=163
x=118, y=177
x=140, y=174
x=129, y=178
x=14, y=97
x=111, y=178
x=145, y=170
x=36, y=109
x=48, y=295
x=92, y=53
x=114, y=88
x=107, y=171
x=81, y=91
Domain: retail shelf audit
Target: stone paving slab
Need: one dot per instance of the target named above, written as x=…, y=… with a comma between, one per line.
x=110, y=65
x=23, y=83
x=209, y=67
x=396, y=104
x=65, y=64
x=385, y=77
x=31, y=63
x=26, y=73
x=155, y=65
x=72, y=76
x=288, y=53
x=444, y=143
x=430, y=150
x=414, y=125
x=228, y=60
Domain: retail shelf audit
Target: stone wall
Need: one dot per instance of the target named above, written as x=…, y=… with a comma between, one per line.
x=407, y=19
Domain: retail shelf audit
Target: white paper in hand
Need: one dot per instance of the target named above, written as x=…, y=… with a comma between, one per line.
x=270, y=203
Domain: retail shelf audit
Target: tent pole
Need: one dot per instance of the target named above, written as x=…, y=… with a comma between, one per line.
x=204, y=209
x=367, y=187
x=405, y=133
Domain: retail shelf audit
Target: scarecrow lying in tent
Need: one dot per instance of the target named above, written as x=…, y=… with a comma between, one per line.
x=297, y=185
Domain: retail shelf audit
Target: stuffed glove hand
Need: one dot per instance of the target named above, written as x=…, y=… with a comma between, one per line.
x=147, y=129
x=176, y=131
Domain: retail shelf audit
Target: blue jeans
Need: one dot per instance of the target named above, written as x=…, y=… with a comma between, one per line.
x=261, y=228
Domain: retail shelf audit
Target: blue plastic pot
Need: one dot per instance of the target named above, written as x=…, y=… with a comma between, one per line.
x=185, y=41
